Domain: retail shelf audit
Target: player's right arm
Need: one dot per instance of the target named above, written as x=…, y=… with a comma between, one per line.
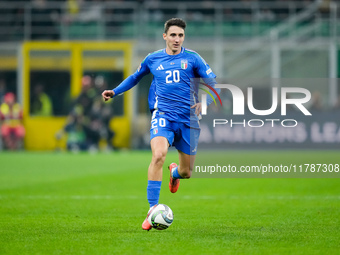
x=129, y=82
x=107, y=94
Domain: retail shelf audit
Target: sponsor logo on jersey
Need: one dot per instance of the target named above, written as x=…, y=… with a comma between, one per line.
x=160, y=68
x=184, y=64
x=209, y=71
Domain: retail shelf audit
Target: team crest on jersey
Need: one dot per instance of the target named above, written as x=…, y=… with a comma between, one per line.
x=184, y=64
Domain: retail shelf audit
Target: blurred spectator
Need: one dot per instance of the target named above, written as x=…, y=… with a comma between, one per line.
x=2, y=89
x=101, y=114
x=87, y=95
x=43, y=21
x=12, y=130
x=88, y=121
x=76, y=132
x=73, y=6
x=324, y=7
x=83, y=11
x=103, y=111
x=265, y=14
x=41, y=104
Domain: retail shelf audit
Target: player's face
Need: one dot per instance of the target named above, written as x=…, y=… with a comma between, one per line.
x=174, y=39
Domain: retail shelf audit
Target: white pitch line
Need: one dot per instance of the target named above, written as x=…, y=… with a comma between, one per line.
x=73, y=197
x=272, y=197
x=187, y=197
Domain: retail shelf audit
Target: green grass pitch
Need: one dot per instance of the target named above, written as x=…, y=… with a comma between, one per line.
x=61, y=203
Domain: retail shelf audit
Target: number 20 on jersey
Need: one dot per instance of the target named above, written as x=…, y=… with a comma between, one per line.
x=172, y=76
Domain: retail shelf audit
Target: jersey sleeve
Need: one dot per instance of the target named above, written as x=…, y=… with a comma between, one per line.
x=204, y=71
x=202, y=68
x=133, y=79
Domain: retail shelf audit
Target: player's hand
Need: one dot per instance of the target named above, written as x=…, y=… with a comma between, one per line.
x=198, y=108
x=107, y=94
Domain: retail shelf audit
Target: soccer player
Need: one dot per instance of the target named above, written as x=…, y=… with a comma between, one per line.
x=174, y=106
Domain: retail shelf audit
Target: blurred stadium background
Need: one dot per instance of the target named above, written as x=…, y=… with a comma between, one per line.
x=63, y=48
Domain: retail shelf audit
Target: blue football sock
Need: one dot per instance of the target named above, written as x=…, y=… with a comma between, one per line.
x=153, y=190
x=175, y=174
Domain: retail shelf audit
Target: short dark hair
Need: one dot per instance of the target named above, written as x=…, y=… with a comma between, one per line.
x=174, y=22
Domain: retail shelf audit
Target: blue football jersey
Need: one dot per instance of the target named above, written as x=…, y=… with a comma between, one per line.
x=173, y=90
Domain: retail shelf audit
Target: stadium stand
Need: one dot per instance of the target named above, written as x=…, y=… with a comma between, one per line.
x=99, y=19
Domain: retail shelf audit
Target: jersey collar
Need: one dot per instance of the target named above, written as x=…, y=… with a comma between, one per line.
x=164, y=51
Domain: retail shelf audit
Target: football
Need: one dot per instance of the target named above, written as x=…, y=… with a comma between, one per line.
x=161, y=217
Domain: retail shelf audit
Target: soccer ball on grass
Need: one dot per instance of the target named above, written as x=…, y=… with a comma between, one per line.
x=161, y=217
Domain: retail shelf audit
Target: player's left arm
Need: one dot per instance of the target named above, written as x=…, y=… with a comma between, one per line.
x=204, y=71
x=198, y=108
